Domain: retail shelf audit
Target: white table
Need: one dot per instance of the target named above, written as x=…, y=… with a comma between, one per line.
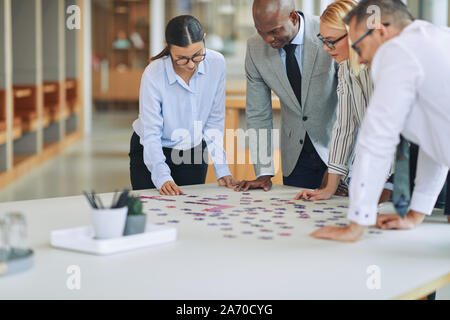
x=204, y=264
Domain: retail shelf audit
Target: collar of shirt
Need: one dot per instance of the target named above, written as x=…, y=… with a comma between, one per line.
x=298, y=41
x=300, y=37
x=172, y=75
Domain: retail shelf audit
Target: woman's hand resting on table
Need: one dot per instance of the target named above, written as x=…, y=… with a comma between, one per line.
x=170, y=188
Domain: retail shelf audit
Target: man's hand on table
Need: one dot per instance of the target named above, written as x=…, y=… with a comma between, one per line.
x=228, y=182
x=394, y=221
x=263, y=182
x=351, y=233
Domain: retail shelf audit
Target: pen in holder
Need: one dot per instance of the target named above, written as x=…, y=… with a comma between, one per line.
x=125, y=217
x=109, y=223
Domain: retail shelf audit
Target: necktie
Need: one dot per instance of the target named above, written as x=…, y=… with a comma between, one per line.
x=295, y=79
x=293, y=71
x=402, y=194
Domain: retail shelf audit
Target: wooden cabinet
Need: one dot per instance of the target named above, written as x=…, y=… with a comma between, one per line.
x=116, y=85
x=121, y=49
x=238, y=158
x=52, y=101
x=25, y=106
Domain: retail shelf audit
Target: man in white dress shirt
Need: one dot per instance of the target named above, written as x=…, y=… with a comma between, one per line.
x=411, y=70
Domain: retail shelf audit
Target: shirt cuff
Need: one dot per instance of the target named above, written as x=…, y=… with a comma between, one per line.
x=265, y=174
x=221, y=171
x=159, y=181
x=423, y=203
x=337, y=169
x=389, y=186
x=363, y=215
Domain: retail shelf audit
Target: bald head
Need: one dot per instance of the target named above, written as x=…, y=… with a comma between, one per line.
x=265, y=8
x=276, y=21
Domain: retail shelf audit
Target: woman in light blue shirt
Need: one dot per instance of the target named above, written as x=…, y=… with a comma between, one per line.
x=181, y=114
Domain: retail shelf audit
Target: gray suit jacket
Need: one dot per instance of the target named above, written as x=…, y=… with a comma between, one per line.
x=265, y=72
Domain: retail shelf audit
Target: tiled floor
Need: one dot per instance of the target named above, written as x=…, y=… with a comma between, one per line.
x=99, y=162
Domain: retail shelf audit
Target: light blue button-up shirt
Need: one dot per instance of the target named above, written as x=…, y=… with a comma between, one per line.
x=299, y=40
x=173, y=114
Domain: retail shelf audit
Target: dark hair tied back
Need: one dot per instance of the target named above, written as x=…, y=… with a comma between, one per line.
x=181, y=31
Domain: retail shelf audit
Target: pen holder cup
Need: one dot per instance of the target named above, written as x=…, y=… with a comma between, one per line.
x=109, y=223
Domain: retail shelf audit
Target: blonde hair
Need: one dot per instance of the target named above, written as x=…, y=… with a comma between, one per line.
x=333, y=17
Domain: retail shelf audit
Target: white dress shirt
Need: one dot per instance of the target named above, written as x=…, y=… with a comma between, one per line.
x=411, y=74
x=177, y=115
x=299, y=41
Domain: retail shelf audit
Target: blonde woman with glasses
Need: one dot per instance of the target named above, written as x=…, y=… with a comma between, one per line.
x=354, y=90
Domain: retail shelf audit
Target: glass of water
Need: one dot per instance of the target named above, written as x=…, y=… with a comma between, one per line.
x=17, y=234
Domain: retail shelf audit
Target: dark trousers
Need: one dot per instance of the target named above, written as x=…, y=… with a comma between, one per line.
x=308, y=172
x=186, y=173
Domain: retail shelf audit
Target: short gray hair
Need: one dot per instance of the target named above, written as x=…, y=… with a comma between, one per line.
x=394, y=10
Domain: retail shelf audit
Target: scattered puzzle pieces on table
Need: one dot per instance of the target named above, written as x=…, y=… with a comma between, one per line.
x=246, y=215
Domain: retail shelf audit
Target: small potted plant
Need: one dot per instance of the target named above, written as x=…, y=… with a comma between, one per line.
x=136, y=219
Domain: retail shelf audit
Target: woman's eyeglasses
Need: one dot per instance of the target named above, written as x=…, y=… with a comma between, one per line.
x=196, y=58
x=367, y=33
x=330, y=43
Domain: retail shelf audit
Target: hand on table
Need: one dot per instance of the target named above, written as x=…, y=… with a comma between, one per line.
x=333, y=186
x=323, y=194
x=169, y=188
x=342, y=190
x=394, y=221
x=318, y=194
x=228, y=182
x=351, y=233
x=263, y=182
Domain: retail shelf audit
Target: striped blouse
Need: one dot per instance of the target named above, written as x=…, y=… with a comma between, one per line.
x=354, y=93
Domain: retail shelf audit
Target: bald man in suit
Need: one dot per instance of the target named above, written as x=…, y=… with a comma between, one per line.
x=286, y=57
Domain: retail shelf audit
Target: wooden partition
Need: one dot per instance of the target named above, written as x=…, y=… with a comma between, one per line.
x=36, y=74
x=52, y=100
x=26, y=106
x=72, y=95
x=5, y=82
x=27, y=76
x=2, y=117
x=72, y=60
